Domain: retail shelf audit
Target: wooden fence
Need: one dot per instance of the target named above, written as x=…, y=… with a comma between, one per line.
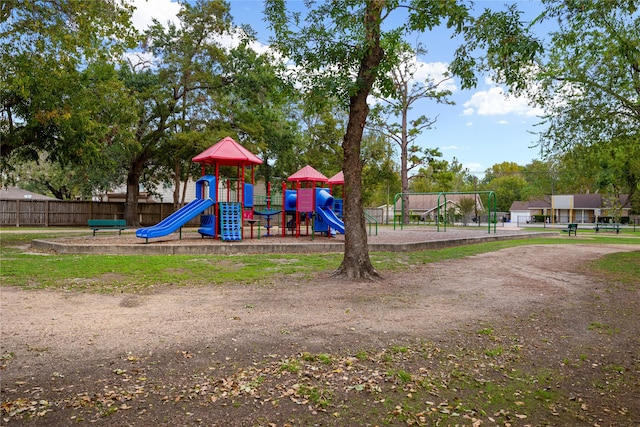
x=52, y=213
x=70, y=213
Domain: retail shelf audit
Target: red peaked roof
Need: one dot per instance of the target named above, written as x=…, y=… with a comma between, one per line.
x=337, y=178
x=227, y=152
x=308, y=173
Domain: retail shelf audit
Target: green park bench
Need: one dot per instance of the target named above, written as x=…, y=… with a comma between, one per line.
x=571, y=228
x=607, y=227
x=107, y=224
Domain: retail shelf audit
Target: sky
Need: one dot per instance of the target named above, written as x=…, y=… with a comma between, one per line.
x=485, y=126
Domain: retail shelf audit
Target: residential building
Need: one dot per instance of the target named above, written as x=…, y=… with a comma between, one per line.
x=572, y=208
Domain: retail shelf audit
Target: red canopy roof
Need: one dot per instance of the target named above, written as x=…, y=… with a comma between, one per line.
x=308, y=173
x=337, y=178
x=227, y=152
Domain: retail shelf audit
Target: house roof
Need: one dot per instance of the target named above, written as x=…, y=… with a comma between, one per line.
x=227, y=152
x=587, y=201
x=625, y=201
x=539, y=203
x=580, y=201
x=15, y=193
x=309, y=174
x=519, y=206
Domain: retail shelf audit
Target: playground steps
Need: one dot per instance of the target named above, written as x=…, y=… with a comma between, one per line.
x=207, y=225
x=230, y=221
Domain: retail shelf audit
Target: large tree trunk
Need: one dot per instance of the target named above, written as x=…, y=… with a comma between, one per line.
x=133, y=192
x=356, y=263
x=176, y=184
x=404, y=177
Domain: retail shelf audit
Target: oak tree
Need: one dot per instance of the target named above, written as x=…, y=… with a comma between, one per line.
x=342, y=48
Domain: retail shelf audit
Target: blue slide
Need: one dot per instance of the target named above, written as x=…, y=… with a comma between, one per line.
x=176, y=219
x=330, y=218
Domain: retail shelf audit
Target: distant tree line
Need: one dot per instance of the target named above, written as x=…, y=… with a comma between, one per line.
x=88, y=103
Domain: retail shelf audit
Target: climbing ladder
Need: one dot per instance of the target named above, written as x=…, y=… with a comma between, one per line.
x=230, y=221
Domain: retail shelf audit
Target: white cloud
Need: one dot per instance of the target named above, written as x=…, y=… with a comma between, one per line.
x=435, y=71
x=233, y=39
x=167, y=11
x=503, y=122
x=449, y=147
x=474, y=167
x=468, y=124
x=495, y=101
x=162, y=10
x=139, y=60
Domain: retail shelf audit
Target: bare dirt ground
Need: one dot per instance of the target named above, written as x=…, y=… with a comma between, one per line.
x=327, y=352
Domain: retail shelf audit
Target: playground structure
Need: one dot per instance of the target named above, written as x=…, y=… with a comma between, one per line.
x=442, y=204
x=227, y=217
x=205, y=198
x=223, y=215
x=308, y=203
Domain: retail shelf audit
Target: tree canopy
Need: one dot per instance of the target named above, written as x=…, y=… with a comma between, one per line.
x=93, y=104
x=54, y=62
x=588, y=81
x=342, y=47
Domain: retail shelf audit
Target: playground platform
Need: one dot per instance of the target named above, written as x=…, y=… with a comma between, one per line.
x=386, y=240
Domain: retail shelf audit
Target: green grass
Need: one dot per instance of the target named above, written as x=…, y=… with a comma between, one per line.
x=389, y=261
x=290, y=365
x=602, y=328
x=400, y=374
x=485, y=331
x=494, y=352
x=623, y=267
x=320, y=397
x=321, y=358
x=135, y=273
x=416, y=384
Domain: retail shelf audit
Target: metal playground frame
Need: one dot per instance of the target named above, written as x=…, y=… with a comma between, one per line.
x=442, y=195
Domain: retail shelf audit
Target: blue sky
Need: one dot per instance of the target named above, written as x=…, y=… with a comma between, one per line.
x=483, y=128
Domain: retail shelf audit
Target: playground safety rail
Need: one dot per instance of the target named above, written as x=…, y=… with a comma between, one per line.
x=491, y=202
x=371, y=220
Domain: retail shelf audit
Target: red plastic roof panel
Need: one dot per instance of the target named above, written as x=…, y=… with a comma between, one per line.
x=337, y=178
x=308, y=174
x=227, y=152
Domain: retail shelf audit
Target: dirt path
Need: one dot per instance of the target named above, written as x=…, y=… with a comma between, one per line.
x=66, y=335
x=321, y=316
